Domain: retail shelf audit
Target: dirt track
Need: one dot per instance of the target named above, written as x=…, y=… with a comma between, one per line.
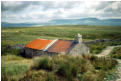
x=105, y=53
x=119, y=71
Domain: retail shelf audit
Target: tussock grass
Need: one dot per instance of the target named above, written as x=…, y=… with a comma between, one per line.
x=43, y=63
x=98, y=47
x=101, y=63
x=59, y=68
x=24, y=35
x=69, y=68
x=116, y=53
x=11, y=57
x=13, y=67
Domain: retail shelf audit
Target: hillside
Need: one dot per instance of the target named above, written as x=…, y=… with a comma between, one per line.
x=84, y=21
x=57, y=68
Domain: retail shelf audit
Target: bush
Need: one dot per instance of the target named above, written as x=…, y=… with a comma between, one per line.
x=33, y=76
x=88, y=76
x=68, y=70
x=103, y=63
x=43, y=63
x=5, y=50
x=96, y=48
x=72, y=67
x=6, y=78
x=63, y=68
x=51, y=77
x=116, y=53
x=39, y=76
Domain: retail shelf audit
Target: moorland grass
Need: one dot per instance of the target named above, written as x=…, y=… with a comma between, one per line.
x=116, y=53
x=13, y=67
x=98, y=47
x=24, y=35
x=43, y=63
x=58, y=68
x=85, y=68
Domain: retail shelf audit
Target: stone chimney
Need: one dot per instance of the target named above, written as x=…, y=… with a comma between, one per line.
x=78, y=38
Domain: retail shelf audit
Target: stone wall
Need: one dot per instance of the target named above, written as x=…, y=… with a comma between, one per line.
x=29, y=53
x=17, y=46
x=102, y=40
x=80, y=48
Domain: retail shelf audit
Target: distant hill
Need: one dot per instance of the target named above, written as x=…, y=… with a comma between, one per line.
x=5, y=24
x=84, y=21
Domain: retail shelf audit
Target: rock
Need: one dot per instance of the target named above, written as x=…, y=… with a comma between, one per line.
x=98, y=41
x=17, y=46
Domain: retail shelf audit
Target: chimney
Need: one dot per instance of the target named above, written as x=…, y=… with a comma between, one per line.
x=78, y=38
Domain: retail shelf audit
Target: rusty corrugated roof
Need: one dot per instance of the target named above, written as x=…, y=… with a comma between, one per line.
x=60, y=46
x=38, y=44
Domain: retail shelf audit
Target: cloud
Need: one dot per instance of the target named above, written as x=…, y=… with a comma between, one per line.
x=45, y=11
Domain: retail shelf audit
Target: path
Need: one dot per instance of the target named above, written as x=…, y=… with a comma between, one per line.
x=107, y=51
x=119, y=70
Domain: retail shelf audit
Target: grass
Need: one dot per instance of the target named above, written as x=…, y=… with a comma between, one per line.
x=98, y=47
x=104, y=63
x=24, y=35
x=116, y=53
x=13, y=67
x=69, y=68
x=57, y=68
x=43, y=63
x=11, y=57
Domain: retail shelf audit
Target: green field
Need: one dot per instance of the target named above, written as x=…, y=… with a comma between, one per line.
x=59, y=68
x=24, y=35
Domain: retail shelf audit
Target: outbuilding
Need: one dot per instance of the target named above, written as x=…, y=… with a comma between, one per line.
x=40, y=47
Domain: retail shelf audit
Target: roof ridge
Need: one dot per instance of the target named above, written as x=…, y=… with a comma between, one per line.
x=50, y=44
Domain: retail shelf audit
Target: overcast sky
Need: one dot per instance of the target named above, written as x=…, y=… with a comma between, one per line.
x=44, y=11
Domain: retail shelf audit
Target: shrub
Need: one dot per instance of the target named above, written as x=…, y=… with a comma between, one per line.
x=63, y=68
x=33, y=76
x=116, y=53
x=43, y=63
x=51, y=77
x=4, y=77
x=72, y=67
x=39, y=76
x=67, y=70
x=5, y=50
x=103, y=63
x=96, y=48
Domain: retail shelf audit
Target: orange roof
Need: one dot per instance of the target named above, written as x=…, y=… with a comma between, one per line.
x=38, y=44
x=60, y=46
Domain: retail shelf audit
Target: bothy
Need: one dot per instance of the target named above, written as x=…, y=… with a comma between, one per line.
x=40, y=47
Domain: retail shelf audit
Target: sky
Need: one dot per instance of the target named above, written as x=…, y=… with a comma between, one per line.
x=45, y=11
